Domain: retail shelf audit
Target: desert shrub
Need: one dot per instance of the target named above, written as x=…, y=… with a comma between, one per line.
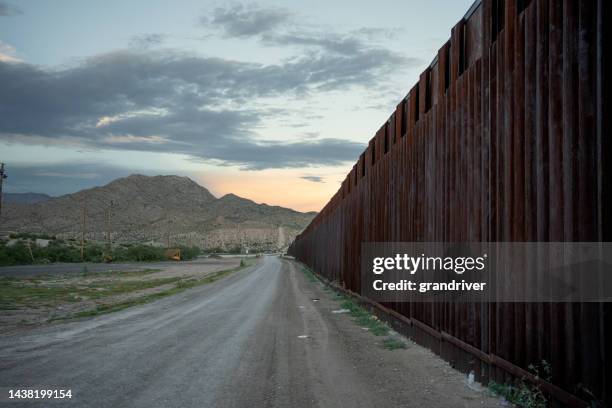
x=16, y=254
x=188, y=253
x=523, y=393
x=56, y=251
x=140, y=253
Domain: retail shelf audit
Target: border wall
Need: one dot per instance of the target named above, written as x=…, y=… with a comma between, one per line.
x=505, y=137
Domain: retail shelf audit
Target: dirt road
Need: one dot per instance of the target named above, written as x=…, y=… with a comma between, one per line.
x=264, y=336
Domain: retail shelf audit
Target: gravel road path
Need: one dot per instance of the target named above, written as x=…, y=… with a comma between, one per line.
x=256, y=338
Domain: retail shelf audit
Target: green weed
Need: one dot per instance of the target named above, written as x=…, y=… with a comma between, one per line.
x=522, y=393
x=364, y=318
x=394, y=344
x=309, y=275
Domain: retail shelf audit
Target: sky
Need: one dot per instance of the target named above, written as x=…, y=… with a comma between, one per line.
x=270, y=100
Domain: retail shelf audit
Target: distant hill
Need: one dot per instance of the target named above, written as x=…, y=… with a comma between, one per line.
x=24, y=198
x=159, y=209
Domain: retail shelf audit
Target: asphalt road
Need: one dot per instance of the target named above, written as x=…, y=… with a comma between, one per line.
x=265, y=336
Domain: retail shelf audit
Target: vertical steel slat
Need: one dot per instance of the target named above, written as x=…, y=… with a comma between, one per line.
x=512, y=147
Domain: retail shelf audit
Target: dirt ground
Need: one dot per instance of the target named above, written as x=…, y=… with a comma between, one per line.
x=265, y=336
x=31, y=301
x=407, y=376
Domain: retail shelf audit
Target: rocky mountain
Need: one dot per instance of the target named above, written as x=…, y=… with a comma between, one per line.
x=161, y=210
x=24, y=198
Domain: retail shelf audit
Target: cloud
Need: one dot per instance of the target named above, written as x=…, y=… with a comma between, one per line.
x=146, y=41
x=263, y=155
x=62, y=178
x=352, y=55
x=374, y=33
x=335, y=45
x=172, y=102
x=246, y=20
x=7, y=9
x=314, y=179
x=8, y=53
x=330, y=42
x=149, y=99
x=73, y=175
x=279, y=27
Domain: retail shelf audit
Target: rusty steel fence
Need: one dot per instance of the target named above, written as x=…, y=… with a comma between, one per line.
x=505, y=137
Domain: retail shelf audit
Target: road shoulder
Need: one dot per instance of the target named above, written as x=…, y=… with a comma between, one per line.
x=411, y=376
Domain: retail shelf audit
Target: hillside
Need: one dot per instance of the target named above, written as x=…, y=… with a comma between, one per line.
x=159, y=209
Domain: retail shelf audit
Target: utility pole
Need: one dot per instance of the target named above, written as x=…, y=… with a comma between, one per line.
x=108, y=226
x=83, y=233
x=168, y=233
x=109, y=247
x=31, y=253
x=2, y=177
